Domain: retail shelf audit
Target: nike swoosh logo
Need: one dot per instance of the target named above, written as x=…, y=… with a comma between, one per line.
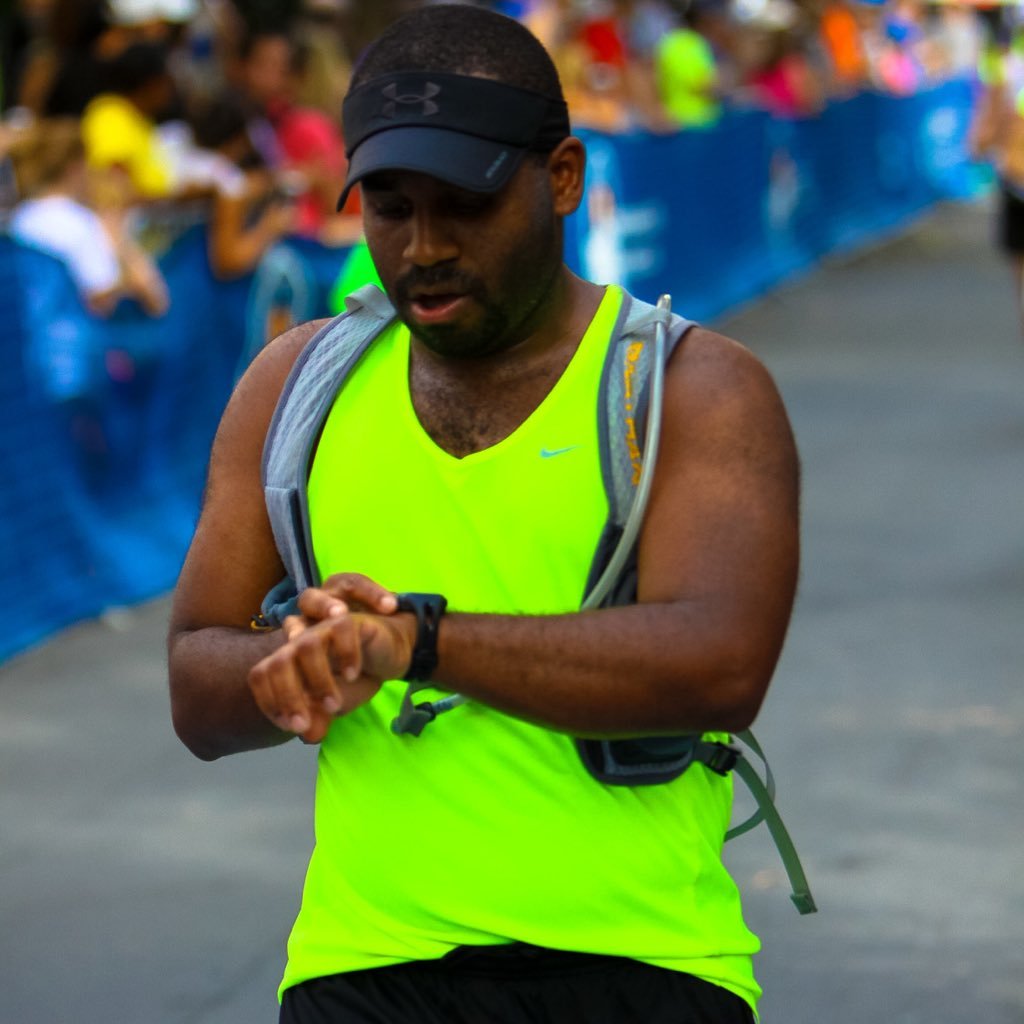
x=550, y=453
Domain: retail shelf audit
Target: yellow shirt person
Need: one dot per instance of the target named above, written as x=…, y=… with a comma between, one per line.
x=119, y=126
x=117, y=134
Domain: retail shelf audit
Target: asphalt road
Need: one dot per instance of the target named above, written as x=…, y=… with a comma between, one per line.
x=142, y=887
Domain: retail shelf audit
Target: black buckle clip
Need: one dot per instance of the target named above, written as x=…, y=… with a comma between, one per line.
x=721, y=758
x=413, y=719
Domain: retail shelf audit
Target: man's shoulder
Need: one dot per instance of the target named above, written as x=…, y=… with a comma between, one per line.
x=240, y=440
x=707, y=346
x=723, y=408
x=707, y=368
x=288, y=346
x=265, y=378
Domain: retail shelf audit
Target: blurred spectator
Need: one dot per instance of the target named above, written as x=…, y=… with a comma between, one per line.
x=687, y=66
x=120, y=130
x=24, y=25
x=646, y=22
x=248, y=212
x=587, y=47
x=892, y=43
x=300, y=140
x=9, y=132
x=997, y=134
x=897, y=70
x=841, y=36
x=156, y=21
x=327, y=66
x=546, y=20
x=784, y=82
x=956, y=42
x=602, y=33
x=62, y=65
x=362, y=23
x=55, y=216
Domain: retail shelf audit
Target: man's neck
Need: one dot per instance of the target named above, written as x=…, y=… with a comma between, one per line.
x=467, y=405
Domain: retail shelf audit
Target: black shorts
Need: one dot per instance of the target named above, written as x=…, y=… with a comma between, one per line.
x=1011, y=222
x=514, y=984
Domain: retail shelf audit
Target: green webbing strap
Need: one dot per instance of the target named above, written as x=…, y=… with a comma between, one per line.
x=747, y=737
x=764, y=794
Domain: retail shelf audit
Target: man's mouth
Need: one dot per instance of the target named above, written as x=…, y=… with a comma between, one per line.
x=433, y=308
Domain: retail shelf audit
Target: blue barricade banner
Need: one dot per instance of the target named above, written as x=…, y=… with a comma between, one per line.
x=717, y=217
x=107, y=424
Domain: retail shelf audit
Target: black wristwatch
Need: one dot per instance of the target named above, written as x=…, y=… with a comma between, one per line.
x=429, y=610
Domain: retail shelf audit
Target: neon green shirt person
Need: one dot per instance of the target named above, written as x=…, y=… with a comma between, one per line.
x=601, y=878
x=686, y=77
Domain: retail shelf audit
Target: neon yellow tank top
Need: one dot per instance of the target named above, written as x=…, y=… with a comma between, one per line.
x=487, y=829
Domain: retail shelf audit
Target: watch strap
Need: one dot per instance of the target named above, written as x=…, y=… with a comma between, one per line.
x=429, y=609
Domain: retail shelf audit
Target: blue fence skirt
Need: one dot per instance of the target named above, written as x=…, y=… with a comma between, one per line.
x=107, y=425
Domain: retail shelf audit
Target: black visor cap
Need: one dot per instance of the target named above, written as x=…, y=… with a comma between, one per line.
x=471, y=132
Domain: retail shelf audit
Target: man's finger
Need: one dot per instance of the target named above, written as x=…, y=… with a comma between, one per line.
x=316, y=604
x=278, y=691
x=360, y=591
x=312, y=648
x=346, y=652
x=294, y=626
x=317, y=730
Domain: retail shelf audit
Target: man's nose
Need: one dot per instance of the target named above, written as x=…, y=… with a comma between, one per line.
x=430, y=241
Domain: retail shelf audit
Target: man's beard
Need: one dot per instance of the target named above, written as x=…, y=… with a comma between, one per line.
x=500, y=325
x=451, y=340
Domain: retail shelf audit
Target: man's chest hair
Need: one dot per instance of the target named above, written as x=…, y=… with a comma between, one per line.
x=463, y=417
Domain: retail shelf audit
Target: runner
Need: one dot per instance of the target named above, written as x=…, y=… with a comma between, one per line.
x=451, y=514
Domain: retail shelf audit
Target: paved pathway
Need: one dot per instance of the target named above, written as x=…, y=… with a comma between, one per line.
x=140, y=886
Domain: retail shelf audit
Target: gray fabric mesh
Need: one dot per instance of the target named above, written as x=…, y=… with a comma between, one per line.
x=638, y=328
x=307, y=396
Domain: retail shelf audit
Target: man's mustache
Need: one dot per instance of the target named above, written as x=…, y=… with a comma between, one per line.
x=435, y=278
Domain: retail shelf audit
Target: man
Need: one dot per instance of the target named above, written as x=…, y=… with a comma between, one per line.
x=479, y=871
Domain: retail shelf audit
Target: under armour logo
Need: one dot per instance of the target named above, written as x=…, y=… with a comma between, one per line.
x=410, y=99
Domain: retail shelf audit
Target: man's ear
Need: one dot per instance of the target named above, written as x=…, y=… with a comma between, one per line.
x=566, y=170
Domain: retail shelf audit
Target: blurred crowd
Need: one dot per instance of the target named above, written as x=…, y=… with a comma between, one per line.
x=118, y=111
x=665, y=65
x=122, y=114
x=169, y=173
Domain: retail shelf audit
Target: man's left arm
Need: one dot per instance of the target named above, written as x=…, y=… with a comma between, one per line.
x=718, y=564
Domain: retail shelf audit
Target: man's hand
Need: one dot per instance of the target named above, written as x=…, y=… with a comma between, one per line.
x=353, y=591
x=337, y=653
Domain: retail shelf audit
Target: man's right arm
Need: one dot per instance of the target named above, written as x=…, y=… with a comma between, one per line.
x=230, y=566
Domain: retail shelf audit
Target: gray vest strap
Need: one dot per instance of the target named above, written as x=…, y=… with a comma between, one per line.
x=315, y=380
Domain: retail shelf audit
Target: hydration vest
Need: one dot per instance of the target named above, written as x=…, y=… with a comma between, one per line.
x=629, y=404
